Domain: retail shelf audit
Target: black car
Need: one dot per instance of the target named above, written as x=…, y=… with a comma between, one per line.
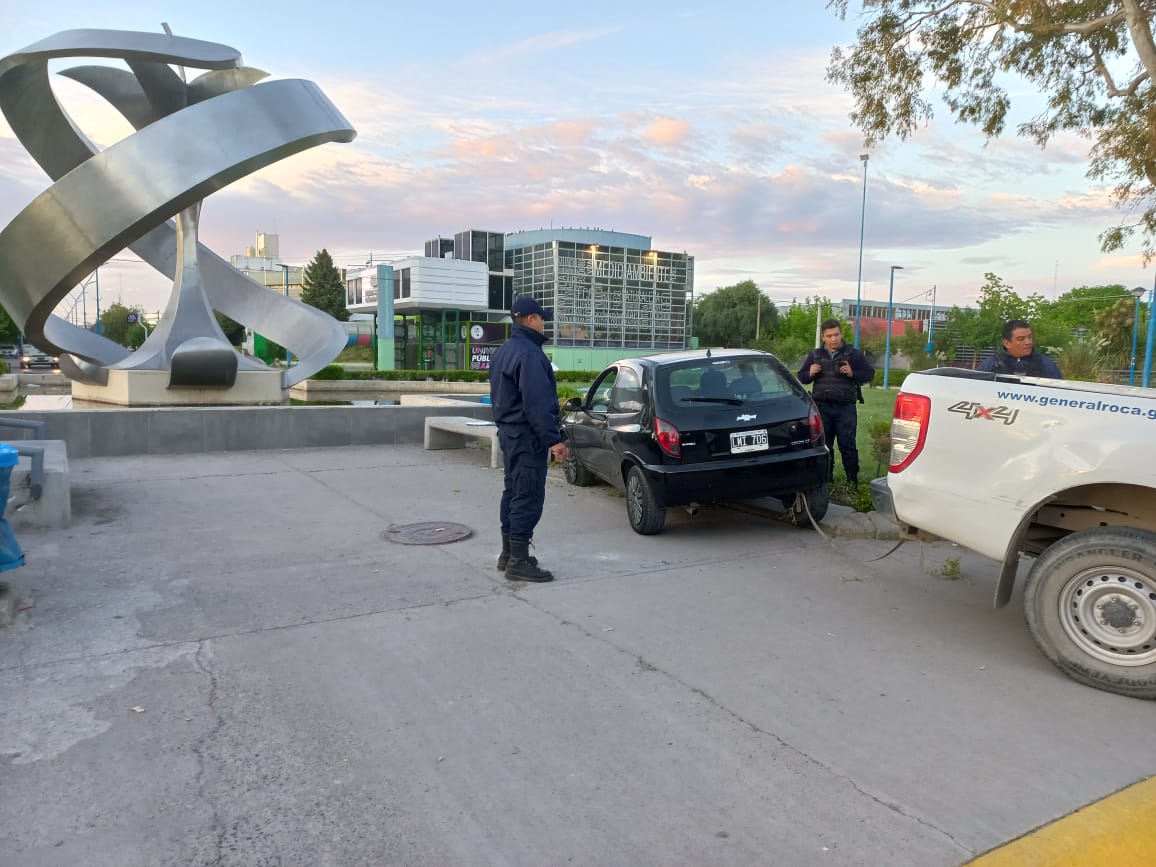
x=698, y=427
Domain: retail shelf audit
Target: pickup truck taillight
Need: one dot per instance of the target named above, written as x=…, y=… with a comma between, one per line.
x=908, y=429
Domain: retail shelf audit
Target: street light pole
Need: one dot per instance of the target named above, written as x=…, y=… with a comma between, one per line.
x=862, y=224
x=96, y=283
x=288, y=354
x=1137, y=293
x=931, y=323
x=1151, y=336
x=890, y=310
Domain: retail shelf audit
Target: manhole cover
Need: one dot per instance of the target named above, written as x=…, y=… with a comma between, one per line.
x=427, y=533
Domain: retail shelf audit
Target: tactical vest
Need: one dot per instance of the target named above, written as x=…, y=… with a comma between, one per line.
x=831, y=386
x=1031, y=365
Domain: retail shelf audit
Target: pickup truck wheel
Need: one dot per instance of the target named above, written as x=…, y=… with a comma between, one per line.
x=575, y=473
x=1090, y=603
x=818, y=499
x=647, y=514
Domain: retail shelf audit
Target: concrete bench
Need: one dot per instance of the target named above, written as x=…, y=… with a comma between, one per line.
x=53, y=508
x=454, y=431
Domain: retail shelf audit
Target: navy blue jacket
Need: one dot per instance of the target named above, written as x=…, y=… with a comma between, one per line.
x=830, y=386
x=522, y=386
x=1036, y=364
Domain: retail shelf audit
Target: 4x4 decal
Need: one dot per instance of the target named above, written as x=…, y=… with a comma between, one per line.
x=971, y=410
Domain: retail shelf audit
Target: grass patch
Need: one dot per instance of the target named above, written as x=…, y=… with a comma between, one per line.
x=355, y=355
x=873, y=440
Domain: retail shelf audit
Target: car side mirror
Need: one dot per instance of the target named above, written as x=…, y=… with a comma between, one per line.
x=572, y=405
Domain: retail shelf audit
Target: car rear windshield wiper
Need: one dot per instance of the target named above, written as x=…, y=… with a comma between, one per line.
x=733, y=401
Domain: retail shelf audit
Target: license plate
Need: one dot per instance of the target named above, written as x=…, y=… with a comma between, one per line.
x=749, y=441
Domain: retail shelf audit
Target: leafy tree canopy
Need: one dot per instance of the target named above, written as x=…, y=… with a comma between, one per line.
x=728, y=316
x=8, y=329
x=115, y=326
x=795, y=336
x=233, y=330
x=321, y=286
x=1092, y=60
x=1078, y=308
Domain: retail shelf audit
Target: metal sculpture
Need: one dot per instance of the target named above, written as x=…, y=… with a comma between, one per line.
x=192, y=139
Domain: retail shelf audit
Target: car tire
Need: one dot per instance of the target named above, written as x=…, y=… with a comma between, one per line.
x=647, y=515
x=575, y=473
x=818, y=499
x=1090, y=605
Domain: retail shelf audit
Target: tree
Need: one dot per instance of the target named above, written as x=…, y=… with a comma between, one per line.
x=8, y=329
x=1078, y=308
x=913, y=346
x=727, y=316
x=115, y=326
x=981, y=327
x=795, y=335
x=234, y=331
x=1093, y=60
x=321, y=286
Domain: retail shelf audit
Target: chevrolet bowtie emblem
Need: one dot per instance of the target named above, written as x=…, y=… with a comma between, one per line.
x=746, y=418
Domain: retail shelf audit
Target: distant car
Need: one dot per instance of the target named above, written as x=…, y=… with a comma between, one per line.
x=34, y=357
x=9, y=350
x=698, y=427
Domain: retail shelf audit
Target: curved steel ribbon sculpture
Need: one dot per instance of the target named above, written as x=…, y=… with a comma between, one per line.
x=192, y=139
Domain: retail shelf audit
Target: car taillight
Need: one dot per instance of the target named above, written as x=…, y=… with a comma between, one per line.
x=816, y=423
x=908, y=429
x=668, y=438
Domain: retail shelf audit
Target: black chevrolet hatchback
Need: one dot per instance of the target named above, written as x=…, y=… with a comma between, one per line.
x=698, y=427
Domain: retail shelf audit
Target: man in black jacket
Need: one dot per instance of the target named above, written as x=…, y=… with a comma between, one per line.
x=837, y=371
x=1018, y=356
x=525, y=401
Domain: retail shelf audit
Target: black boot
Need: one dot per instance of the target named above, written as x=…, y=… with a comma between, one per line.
x=504, y=557
x=522, y=567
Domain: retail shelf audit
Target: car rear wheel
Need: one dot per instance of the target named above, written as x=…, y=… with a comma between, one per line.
x=647, y=514
x=1090, y=603
x=818, y=499
x=575, y=473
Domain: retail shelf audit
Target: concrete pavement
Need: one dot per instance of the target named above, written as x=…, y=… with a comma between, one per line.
x=223, y=662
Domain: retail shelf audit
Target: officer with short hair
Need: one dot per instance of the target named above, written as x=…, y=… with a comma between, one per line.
x=525, y=402
x=1018, y=356
x=837, y=371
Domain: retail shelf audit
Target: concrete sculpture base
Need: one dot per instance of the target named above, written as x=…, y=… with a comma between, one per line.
x=150, y=388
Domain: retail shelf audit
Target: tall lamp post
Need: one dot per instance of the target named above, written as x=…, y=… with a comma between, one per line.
x=931, y=324
x=862, y=224
x=890, y=311
x=1137, y=293
x=288, y=354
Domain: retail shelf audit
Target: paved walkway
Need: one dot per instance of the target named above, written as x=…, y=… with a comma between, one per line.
x=223, y=662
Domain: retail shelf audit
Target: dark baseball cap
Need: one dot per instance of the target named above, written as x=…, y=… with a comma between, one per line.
x=524, y=305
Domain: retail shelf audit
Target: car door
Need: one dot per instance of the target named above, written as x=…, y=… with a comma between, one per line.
x=623, y=430
x=587, y=424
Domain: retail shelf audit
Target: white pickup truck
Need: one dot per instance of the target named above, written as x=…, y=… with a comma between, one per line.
x=1061, y=471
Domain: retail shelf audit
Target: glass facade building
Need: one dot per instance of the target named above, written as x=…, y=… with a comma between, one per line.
x=609, y=290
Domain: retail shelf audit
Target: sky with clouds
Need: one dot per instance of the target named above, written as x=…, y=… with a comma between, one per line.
x=712, y=130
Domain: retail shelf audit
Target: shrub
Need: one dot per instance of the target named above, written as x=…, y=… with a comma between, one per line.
x=894, y=378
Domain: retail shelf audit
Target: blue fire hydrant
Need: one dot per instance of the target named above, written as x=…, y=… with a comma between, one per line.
x=10, y=554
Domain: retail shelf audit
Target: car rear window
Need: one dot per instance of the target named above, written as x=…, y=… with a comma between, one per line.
x=750, y=380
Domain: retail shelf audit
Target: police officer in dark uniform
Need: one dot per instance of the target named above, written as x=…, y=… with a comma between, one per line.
x=1019, y=356
x=837, y=371
x=525, y=400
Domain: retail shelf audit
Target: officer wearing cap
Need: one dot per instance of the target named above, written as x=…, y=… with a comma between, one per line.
x=525, y=402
